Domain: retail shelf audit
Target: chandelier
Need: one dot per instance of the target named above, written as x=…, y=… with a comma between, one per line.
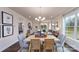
x=40, y=18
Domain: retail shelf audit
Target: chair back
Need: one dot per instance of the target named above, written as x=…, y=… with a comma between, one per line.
x=62, y=41
x=35, y=42
x=49, y=45
x=60, y=36
x=21, y=38
x=49, y=41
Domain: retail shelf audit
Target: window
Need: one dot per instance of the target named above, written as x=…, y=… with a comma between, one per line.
x=69, y=25
x=78, y=26
x=43, y=27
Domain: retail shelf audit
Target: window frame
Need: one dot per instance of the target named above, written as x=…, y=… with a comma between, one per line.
x=74, y=12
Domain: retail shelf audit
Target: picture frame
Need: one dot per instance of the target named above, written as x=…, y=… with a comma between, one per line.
x=29, y=26
x=7, y=18
x=7, y=30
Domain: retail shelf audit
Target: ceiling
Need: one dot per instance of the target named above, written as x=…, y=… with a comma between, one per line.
x=32, y=12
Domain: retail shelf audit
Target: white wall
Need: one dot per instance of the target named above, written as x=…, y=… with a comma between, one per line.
x=35, y=23
x=5, y=42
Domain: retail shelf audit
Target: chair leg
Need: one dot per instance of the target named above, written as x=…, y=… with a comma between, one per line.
x=63, y=49
x=56, y=48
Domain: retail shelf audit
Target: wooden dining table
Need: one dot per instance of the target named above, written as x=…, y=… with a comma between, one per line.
x=28, y=39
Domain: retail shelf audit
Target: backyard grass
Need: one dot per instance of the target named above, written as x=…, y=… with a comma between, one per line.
x=70, y=30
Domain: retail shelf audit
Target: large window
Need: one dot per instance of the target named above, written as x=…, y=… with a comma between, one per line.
x=78, y=26
x=69, y=25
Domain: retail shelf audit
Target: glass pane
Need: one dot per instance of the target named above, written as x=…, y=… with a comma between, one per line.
x=78, y=32
x=69, y=31
x=67, y=21
x=70, y=25
x=78, y=27
x=43, y=27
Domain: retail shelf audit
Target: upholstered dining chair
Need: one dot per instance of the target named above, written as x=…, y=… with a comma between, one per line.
x=59, y=37
x=60, y=44
x=23, y=44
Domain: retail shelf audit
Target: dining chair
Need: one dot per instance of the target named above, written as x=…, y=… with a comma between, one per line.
x=23, y=44
x=60, y=36
x=48, y=45
x=60, y=44
x=35, y=45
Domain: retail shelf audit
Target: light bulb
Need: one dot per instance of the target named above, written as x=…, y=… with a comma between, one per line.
x=43, y=19
x=39, y=17
x=35, y=18
x=53, y=24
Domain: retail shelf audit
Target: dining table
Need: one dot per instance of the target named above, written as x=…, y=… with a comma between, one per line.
x=42, y=39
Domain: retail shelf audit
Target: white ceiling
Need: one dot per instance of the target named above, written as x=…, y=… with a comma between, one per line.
x=41, y=11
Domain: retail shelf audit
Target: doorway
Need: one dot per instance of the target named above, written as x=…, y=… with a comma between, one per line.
x=20, y=28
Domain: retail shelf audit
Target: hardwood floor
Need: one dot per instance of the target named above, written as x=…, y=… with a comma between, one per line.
x=14, y=48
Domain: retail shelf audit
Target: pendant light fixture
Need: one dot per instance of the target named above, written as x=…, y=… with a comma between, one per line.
x=40, y=18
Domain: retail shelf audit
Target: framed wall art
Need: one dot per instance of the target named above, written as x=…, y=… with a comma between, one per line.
x=7, y=30
x=7, y=18
x=29, y=26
